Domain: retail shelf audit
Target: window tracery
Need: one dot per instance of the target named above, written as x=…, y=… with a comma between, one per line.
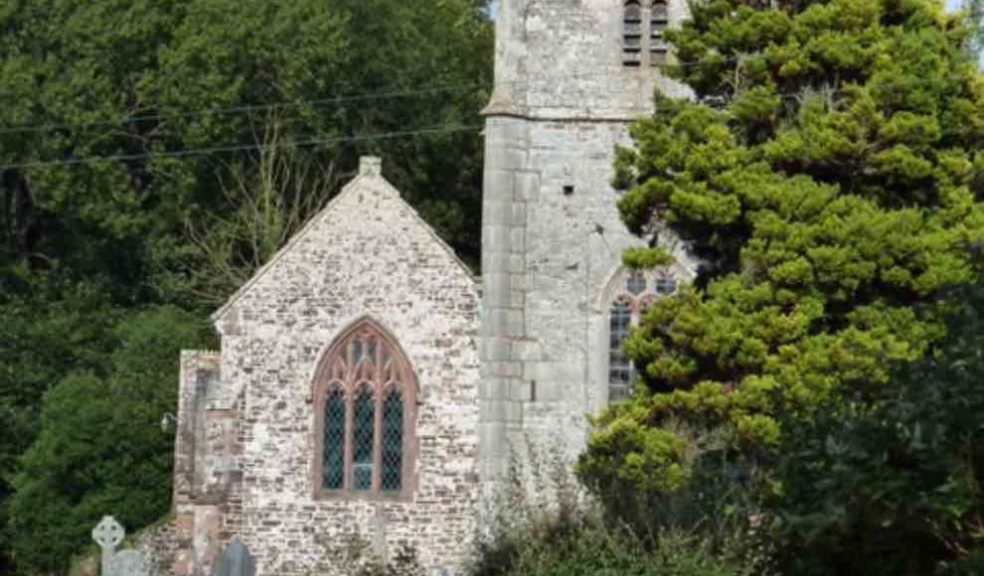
x=636, y=293
x=365, y=406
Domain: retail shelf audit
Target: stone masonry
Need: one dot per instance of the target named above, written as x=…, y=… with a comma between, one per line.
x=246, y=426
x=527, y=370
x=552, y=238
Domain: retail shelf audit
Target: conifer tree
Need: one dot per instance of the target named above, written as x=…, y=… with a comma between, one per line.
x=828, y=177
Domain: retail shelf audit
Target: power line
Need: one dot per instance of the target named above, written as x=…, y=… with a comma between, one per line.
x=448, y=129
x=353, y=97
x=315, y=103
x=239, y=109
x=323, y=102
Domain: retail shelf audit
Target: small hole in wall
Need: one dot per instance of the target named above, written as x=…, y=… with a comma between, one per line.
x=532, y=390
x=568, y=189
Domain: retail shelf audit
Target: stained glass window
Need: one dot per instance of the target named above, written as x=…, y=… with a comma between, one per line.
x=665, y=284
x=392, y=444
x=620, y=370
x=637, y=292
x=363, y=430
x=367, y=414
x=333, y=465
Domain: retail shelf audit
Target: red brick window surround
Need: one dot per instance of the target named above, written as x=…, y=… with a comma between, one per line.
x=364, y=413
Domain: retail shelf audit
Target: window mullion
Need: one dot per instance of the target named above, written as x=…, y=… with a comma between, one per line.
x=349, y=427
x=377, y=452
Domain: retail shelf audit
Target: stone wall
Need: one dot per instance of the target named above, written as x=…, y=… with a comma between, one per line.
x=159, y=545
x=367, y=255
x=552, y=237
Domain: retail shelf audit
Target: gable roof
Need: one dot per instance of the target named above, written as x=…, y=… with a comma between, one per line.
x=370, y=171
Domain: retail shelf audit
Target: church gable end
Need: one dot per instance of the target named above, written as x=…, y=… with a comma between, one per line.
x=367, y=230
x=350, y=366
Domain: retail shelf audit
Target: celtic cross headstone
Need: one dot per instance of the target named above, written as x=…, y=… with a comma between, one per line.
x=128, y=563
x=236, y=561
x=109, y=535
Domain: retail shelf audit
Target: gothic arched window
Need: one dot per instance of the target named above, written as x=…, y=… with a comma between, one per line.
x=635, y=293
x=364, y=412
x=632, y=33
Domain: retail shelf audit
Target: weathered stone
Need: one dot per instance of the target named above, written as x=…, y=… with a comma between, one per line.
x=128, y=563
x=551, y=243
x=236, y=561
x=108, y=534
x=247, y=432
x=562, y=102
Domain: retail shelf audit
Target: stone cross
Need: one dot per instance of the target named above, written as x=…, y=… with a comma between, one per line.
x=236, y=561
x=108, y=534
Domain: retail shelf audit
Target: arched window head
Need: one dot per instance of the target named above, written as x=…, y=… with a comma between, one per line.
x=632, y=33
x=364, y=416
x=635, y=293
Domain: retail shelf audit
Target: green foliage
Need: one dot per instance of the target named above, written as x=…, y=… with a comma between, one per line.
x=585, y=546
x=84, y=246
x=833, y=201
x=892, y=487
x=101, y=449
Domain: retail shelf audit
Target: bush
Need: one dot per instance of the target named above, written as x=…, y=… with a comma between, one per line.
x=586, y=546
x=892, y=486
x=101, y=449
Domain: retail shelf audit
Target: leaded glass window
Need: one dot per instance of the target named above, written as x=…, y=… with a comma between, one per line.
x=392, y=442
x=621, y=372
x=366, y=399
x=333, y=464
x=363, y=432
x=633, y=296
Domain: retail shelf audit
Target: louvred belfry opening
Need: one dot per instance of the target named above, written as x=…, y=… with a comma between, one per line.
x=365, y=399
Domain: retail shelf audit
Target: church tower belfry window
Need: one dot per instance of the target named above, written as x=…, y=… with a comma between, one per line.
x=634, y=295
x=659, y=20
x=364, y=399
x=644, y=28
x=632, y=34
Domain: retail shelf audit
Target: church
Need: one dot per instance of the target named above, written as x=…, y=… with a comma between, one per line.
x=369, y=386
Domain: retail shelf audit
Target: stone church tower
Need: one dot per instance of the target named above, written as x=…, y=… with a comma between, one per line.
x=570, y=76
x=368, y=390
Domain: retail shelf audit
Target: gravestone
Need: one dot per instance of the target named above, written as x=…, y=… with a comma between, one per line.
x=236, y=561
x=109, y=535
x=128, y=563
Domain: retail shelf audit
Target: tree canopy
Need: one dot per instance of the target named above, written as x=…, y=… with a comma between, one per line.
x=153, y=152
x=828, y=177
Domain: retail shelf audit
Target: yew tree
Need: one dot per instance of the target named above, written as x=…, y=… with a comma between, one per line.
x=828, y=177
